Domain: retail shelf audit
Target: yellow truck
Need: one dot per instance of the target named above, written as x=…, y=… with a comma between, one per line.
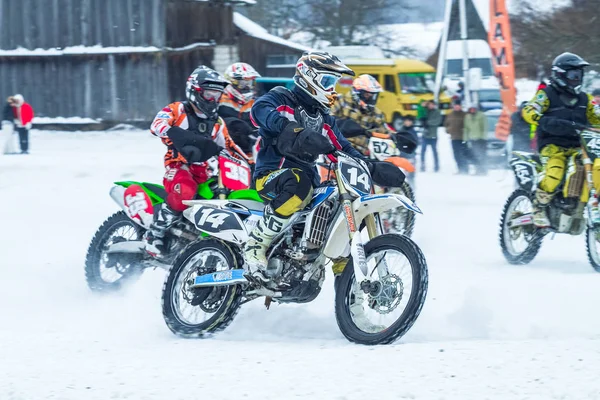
x=405, y=82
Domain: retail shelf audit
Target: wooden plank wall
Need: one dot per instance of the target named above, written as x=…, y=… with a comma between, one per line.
x=33, y=24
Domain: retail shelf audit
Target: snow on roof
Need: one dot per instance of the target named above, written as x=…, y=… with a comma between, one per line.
x=97, y=49
x=257, y=31
x=345, y=52
x=78, y=50
x=420, y=37
x=63, y=120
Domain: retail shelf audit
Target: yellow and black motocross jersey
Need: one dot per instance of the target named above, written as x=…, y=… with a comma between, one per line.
x=345, y=107
x=549, y=102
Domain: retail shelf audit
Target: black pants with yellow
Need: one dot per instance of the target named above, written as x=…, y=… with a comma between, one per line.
x=555, y=169
x=286, y=190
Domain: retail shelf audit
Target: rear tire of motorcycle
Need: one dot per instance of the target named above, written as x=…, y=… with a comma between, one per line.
x=223, y=316
x=93, y=276
x=534, y=246
x=590, y=235
x=344, y=283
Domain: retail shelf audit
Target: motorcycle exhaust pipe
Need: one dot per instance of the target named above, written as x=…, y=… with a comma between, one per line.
x=132, y=247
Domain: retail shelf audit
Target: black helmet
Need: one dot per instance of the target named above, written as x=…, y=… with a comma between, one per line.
x=567, y=72
x=204, y=89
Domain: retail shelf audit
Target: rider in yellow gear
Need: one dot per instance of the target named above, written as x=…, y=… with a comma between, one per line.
x=557, y=110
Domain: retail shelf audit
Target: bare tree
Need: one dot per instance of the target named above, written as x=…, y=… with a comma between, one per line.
x=538, y=38
x=349, y=22
x=279, y=17
x=338, y=22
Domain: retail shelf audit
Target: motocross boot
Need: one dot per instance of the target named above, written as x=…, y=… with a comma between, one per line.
x=259, y=241
x=164, y=218
x=540, y=204
x=338, y=266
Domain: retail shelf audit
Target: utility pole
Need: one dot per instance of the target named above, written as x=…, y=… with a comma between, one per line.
x=441, y=65
x=464, y=38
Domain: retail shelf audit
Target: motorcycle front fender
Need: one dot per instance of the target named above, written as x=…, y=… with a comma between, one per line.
x=525, y=173
x=338, y=244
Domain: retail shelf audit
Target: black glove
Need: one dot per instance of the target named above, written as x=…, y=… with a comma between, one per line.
x=351, y=128
x=184, y=141
x=302, y=143
x=241, y=133
x=407, y=141
x=386, y=174
x=192, y=154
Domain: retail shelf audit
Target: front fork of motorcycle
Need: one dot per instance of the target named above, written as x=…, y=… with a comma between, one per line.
x=593, y=211
x=361, y=268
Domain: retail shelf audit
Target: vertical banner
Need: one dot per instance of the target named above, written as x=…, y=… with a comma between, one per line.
x=500, y=40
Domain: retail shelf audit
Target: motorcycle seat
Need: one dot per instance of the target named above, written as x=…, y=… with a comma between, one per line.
x=251, y=205
x=156, y=189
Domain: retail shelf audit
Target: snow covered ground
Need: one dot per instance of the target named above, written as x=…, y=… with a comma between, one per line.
x=488, y=330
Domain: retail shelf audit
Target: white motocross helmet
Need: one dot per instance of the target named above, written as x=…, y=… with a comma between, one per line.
x=317, y=73
x=242, y=77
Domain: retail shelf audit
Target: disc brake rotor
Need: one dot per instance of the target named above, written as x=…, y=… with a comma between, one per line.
x=389, y=294
x=214, y=300
x=190, y=294
x=209, y=299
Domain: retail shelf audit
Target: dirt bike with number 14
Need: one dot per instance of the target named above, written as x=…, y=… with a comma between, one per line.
x=378, y=296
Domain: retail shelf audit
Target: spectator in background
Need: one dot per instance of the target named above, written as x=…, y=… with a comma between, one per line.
x=422, y=112
x=520, y=130
x=460, y=93
x=20, y=114
x=596, y=94
x=476, y=131
x=432, y=122
x=455, y=126
x=408, y=129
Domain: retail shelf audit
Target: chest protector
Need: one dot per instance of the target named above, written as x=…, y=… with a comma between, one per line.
x=567, y=107
x=202, y=126
x=301, y=115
